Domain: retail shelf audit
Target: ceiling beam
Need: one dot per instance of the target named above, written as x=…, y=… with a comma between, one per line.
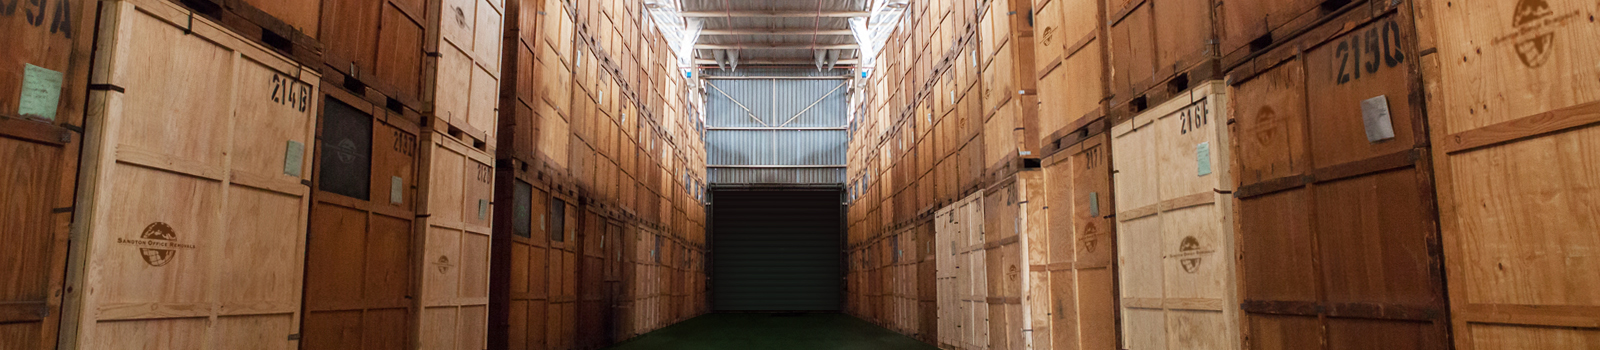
x=704, y=14
x=766, y=46
x=776, y=62
x=758, y=31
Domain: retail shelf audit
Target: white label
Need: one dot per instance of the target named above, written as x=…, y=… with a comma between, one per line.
x=1375, y=116
x=483, y=209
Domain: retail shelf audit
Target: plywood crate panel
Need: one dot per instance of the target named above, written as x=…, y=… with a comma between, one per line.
x=963, y=295
x=1070, y=66
x=288, y=27
x=36, y=138
x=1313, y=181
x=359, y=242
x=1176, y=279
x=453, y=238
x=1159, y=44
x=464, y=43
x=1013, y=226
x=193, y=195
x=1246, y=27
x=520, y=270
x=378, y=44
x=1082, y=246
x=1512, y=105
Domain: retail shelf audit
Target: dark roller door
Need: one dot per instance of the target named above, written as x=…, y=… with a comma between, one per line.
x=776, y=250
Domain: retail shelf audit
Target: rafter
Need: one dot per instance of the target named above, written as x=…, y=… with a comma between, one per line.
x=703, y=14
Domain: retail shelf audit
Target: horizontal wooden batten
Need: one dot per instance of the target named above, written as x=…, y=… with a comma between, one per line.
x=1532, y=126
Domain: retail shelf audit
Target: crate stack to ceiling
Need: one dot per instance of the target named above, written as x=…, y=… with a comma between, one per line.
x=1227, y=175
x=949, y=114
x=324, y=174
x=600, y=169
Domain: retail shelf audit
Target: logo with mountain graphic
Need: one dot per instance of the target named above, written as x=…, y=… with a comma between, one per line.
x=157, y=243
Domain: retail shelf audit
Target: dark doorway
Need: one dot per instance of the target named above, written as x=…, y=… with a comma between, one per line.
x=776, y=250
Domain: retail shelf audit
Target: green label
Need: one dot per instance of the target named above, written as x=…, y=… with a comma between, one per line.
x=41, y=92
x=397, y=193
x=1202, y=156
x=293, y=158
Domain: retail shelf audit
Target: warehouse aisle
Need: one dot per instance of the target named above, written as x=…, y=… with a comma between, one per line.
x=773, y=332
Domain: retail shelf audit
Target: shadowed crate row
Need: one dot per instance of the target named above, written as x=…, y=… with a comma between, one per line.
x=1199, y=174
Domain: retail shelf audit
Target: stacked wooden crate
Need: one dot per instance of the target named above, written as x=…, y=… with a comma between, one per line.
x=1336, y=232
x=1510, y=91
x=587, y=126
x=193, y=201
x=44, y=80
x=1174, y=224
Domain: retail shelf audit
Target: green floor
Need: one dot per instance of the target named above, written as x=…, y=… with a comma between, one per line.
x=773, y=332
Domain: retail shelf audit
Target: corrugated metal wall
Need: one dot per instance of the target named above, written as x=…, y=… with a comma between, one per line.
x=764, y=130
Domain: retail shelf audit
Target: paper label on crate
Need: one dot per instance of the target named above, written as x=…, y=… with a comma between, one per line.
x=396, y=190
x=41, y=92
x=293, y=158
x=1375, y=116
x=1202, y=157
x=1094, y=204
x=483, y=209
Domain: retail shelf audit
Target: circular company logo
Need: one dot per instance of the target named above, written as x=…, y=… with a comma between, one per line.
x=1187, y=249
x=157, y=243
x=1091, y=236
x=443, y=264
x=345, y=150
x=1533, y=42
x=1190, y=254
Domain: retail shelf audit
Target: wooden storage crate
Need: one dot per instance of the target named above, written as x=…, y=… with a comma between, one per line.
x=1157, y=48
x=377, y=44
x=1512, y=104
x=1335, y=215
x=525, y=228
x=454, y=216
x=562, y=288
x=463, y=60
x=1083, y=245
x=193, y=203
x=1070, y=64
x=963, y=291
x=1252, y=26
x=928, y=286
x=44, y=77
x=1014, y=231
x=289, y=27
x=1175, y=224
x=439, y=57
x=362, y=212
